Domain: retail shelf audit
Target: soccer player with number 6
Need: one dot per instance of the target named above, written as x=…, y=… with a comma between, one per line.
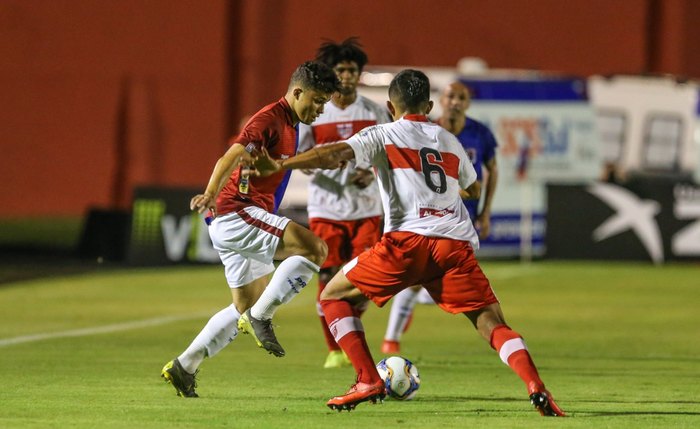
x=428, y=238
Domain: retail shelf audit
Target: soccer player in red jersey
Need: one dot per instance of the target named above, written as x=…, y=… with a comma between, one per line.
x=428, y=238
x=247, y=233
x=344, y=206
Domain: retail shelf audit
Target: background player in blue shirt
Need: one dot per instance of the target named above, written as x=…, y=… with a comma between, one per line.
x=480, y=144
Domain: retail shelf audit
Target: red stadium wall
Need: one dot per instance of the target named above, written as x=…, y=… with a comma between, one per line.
x=168, y=81
x=77, y=77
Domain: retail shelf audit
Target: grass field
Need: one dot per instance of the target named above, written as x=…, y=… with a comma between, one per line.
x=617, y=344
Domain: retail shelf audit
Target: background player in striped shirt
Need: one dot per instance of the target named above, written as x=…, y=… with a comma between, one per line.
x=344, y=205
x=480, y=145
x=428, y=238
x=247, y=233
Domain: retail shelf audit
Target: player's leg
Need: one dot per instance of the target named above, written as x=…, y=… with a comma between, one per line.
x=336, y=357
x=401, y=312
x=247, y=279
x=337, y=300
x=221, y=329
x=378, y=274
x=336, y=236
x=511, y=348
x=364, y=233
x=303, y=253
x=464, y=288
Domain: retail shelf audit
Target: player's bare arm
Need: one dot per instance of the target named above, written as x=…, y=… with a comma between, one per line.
x=473, y=191
x=234, y=156
x=483, y=220
x=491, y=181
x=327, y=157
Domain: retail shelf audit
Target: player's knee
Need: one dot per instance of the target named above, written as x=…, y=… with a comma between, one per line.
x=317, y=251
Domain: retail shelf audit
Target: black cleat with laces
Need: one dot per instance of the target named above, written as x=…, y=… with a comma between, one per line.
x=262, y=333
x=183, y=382
x=544, y=403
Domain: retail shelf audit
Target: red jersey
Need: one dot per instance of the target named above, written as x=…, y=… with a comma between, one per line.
x=271, y=128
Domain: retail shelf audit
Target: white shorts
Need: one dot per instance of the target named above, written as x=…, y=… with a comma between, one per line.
x=246, y=241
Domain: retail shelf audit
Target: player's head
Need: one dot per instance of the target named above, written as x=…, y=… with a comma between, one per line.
x=310, y=87
x=409, y=92
x=455, y=100
x=347, y=60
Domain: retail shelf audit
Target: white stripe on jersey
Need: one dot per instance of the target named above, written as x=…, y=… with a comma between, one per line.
x=331, y=195
x=420, y=168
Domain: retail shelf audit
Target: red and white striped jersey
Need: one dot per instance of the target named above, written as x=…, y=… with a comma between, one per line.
x=331, y=193
x=420, y=168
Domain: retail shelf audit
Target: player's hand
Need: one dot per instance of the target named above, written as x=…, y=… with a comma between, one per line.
x=264, y=165
x=203, y=202
x=361, y=178
x=483, y=221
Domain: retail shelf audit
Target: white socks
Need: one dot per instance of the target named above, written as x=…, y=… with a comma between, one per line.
x=216, y=334
x=289, y=279
x=401, y=310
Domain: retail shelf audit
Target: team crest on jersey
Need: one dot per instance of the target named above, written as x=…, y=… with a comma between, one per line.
x=344, y=130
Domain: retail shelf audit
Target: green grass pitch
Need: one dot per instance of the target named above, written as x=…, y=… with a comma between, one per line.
x=617, y=344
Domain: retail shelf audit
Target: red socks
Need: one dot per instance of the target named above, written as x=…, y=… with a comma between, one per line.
x=330, y=341
x=513, y=352
x=348, y=332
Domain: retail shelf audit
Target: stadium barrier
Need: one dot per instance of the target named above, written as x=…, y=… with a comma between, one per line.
x=165, y=231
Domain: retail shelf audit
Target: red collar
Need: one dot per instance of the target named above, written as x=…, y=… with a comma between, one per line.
x=287, y=110
x=416, y=117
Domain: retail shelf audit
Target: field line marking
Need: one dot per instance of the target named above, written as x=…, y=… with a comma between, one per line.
x=106, y=329
x=158, y=321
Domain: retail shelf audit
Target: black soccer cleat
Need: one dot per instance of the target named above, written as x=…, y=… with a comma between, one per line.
x=544, y=403
x=262, y=333
x=183, y=382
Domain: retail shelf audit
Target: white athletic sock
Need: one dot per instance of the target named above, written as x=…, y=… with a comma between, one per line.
x=289, y=279
x=217, y=333
x=401, y=309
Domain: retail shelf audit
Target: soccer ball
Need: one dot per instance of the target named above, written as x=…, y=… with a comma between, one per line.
x=400, y=377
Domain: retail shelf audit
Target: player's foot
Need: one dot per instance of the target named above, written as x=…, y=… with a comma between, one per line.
x=183, y=382
x=544, y=403
x=337, y=359
x=262, y=333
x=390, y=347
x=359, y=392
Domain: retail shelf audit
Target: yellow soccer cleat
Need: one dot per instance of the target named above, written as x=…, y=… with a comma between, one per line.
x=262, y=333
x=183, y=382
x=337, y=359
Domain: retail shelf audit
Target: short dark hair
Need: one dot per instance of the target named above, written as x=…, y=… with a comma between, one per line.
x=317, y=76
x=331, y=53
x=409, y=89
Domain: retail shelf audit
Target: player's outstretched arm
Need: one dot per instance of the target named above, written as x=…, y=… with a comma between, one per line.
x=327, y=157
x=233, y=157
